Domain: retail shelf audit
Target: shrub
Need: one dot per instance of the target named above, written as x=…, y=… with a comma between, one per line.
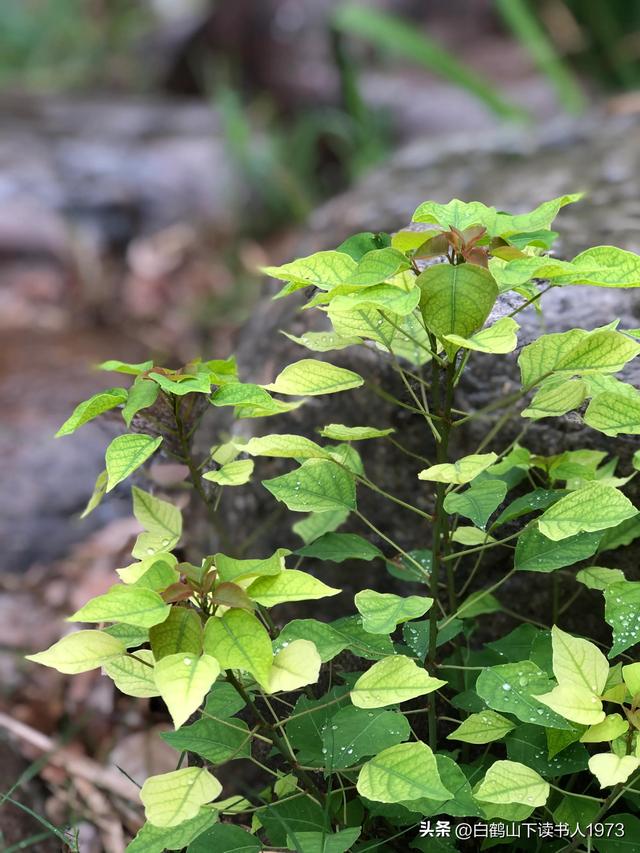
x=536, y=726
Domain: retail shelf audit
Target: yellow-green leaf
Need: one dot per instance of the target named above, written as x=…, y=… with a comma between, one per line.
x=574, y=703
x=130, y=604
x=340, y=432
x=556, y=397
x=318, y=485
x=614, y=414
x=501, y=338
x=593, y=507
x=239, y=641
x=391, y=680
x=483, y=727
x=512, y=782
x=80, y=652
x=294, y=666
x=631, y=677
x=381, y=612
x=235, y=473
x=578, y=663
x=133, y=674
x=162, y=519
x=285, y=447
x=611, y=769
x=91, y=408
x=231, y=569
x=289, y=585
x=181, y=632
x=183, y=680
x=607, y=266
x=407, y=771
x=462, y=471
x=126, y=453
x=610, y=728
x=171, y=798
x=309, y=377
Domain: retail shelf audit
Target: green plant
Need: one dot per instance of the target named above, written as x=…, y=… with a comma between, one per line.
x=534, y=726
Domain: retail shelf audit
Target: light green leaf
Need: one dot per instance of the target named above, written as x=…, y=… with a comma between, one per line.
x=361, y=642
x=128, y=634
x=159, y=576
x=456, y=300
x=556, y=397
x=235, y=473
x=233, y=570
x=238, y=641
x=621, y=609
x=613, y=414
x=86, y=411
x=216, y=740
x=631, y=676
x=251, y=401
x=537, y=553
x=99, y=491
x=478, y=502
x=339, y=432
x=323, y=341
x=596, y=577
x=294, y=666
x=513, y=688
x=328, y=642
x=183, y=681
x=116, y=366
x=512, y=782
x=610, y=769
x=610, y=728
x=457, y=214
x=382, y=297
x=483, y=727
x=576, y=352
x=131, y=604
x=407, y=771
x=133, y=573
x=126, y=453
x=318, y=485
x=574, y=703
x=155, y=839
x=337, y=547
x=285, y=447
x=462, y=471
x=378, y=265
x=80, y=652
x=381, y=612
x=289, y=585
x=181, y=632
x=615, y=267
x=323, y=269
x=352, y=733
x=392, y=680
x=470, y=536
x=593, y=507
x=479, y=602
x=538, y=219
x=171, y=798
x=160, y=518
x=577, y=662
x=499, y=338
x=142, y=394
x=316, y=524
x=131, y=675
x=516, y=273
x=181, y=384
x=310, y=378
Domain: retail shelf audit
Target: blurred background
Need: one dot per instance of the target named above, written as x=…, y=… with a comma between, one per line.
x=153, y=155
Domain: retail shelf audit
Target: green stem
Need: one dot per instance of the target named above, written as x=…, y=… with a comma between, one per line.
x=277, y=740
x=442, y=386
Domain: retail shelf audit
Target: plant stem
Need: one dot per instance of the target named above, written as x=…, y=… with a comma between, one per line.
x=277, y=740
x=443, y=397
